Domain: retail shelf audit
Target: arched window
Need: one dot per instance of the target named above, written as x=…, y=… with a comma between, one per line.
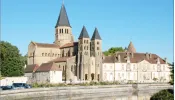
x=60, y=30
x=67, y=31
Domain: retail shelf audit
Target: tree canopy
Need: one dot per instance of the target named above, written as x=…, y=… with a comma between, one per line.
x=112, y=50
x=163, y=95
x=12, y=62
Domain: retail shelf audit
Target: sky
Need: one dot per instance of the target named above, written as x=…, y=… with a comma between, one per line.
x=147, y=23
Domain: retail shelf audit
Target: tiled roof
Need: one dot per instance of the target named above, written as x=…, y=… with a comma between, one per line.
x=70, y=45
x=84, y=33
x=31, y=68
x=137, y=57
x=46, y=45
x=108, y=59
x=62, y=59
x=63, y=18
x=46, y=67
x=96, y=35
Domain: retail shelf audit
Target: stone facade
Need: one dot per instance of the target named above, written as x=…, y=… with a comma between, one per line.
x=136, y=67
x=80, y=60
x=83, y=60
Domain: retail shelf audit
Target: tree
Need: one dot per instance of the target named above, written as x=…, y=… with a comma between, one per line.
x=172, y=75
x=163, y=95
x=113, y=50
x=12, y=63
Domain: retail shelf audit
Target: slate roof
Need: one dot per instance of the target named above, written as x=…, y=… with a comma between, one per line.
x=46, y=67
x=96, y=35
x=137, y=57
x=63, y=18
x=84, y=33
x=31, y=68
x=46, y=45
x=70, y=45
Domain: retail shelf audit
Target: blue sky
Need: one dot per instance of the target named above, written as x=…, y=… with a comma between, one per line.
x=148, y=23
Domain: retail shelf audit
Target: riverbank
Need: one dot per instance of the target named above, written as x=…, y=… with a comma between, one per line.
x=80, y=90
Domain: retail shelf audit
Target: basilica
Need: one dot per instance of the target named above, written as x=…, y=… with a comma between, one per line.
x=83, y=60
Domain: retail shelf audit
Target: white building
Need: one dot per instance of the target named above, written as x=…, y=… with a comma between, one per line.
x=45, y=73
x=130, y=66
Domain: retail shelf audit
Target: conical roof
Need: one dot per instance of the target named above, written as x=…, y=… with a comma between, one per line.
x=96, y=35
x=131, y=48
x=84, y=33
x=63, y=18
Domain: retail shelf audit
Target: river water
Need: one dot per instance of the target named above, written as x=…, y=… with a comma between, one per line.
x=141, y=95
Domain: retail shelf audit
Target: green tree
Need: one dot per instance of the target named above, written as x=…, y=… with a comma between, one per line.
x=112, y=50
x=163, y=95
x=172, y=74
x=12, y=63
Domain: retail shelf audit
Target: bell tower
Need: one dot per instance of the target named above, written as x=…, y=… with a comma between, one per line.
x=63, y=29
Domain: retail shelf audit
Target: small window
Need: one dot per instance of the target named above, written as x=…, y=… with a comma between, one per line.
x=87, y=41
x=87, y=47
x=55, y=55
x=84, y=47
x=48, y=54
x=84, y=41
x=97, y=48
x=97, y=42
x=59, y=66
x=67, y=31
x=42, y=54
x=45, y=54
x=60, y=30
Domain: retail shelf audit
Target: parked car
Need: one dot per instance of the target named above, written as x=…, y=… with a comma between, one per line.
x=7, y=87
x=20, y=86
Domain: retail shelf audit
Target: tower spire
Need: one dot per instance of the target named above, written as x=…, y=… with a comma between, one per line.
x=63, y=18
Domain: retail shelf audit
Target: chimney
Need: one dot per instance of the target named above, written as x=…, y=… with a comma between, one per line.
x=132, y=55
x=147, y=55
x=150, y=55
x=128, y=59
x=118, y=58
x=165, y=60
x=158, y=60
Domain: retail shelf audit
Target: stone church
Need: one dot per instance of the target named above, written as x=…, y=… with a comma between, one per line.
x=80, y=60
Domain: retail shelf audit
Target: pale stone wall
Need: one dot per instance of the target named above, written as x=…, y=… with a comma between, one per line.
x=142, y=72
x=29, y=77
x=42, y=77
x=10, y=80
x=55, y=76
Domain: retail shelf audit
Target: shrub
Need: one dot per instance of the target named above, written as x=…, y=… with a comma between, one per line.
x=163, y=95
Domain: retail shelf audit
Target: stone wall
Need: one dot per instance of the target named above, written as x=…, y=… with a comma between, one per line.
x=67, y=91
